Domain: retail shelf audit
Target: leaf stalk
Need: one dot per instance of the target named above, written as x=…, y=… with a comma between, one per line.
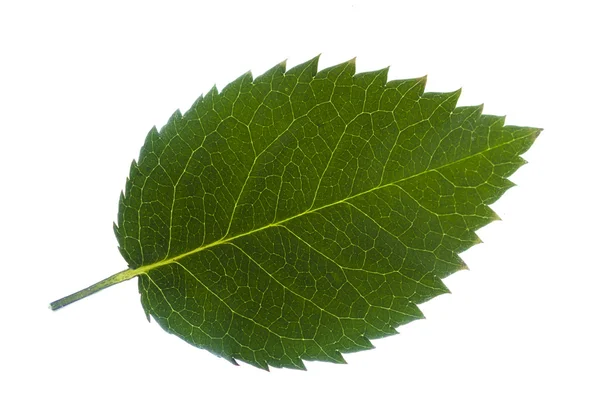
x=92, y=289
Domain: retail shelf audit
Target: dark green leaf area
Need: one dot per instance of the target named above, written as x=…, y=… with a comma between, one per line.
x=297, y=215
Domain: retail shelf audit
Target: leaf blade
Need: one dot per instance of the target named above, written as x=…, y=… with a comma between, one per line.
x=297, y=215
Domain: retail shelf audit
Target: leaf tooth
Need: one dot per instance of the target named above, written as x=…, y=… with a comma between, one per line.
x=316, y=60
x=467, y=240
x=352, y=64
x=238, y=85
x=231, y=360
x=376, y=78
x=116, y=231
x=262, y=364
x=422, y=83
x=377, y=333
x=471, y=112
x=150, y=138
x=299, y=364
x=145, y=306
x=133, y=170
x=176, y=116
x=451, y=98
x=196, y=103
x=307, y=69
x=211, y=94
x=345, y=69
x=337, y=357
x=170, y=129
x=416, y=83
x=509, y=184
x=479, y=109
x=419, y=315
x=442, y=286
x=288, y=362
x=418, y=308
x=493, y=215
x=283, y=64
x=147, y=314
x=462, y=265
x=520, y=161
x=439, y=288
x=276, y=71
x=366, y=343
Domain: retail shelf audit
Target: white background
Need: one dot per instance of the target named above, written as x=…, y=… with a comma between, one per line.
x=82, y=84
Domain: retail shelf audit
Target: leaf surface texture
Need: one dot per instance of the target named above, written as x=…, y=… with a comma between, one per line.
x=299, y=214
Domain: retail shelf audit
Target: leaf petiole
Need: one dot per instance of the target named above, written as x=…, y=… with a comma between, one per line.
x=92, y=289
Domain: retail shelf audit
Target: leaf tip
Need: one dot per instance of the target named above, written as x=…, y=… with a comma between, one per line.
x=536, y=132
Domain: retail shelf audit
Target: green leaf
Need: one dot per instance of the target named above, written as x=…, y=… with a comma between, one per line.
x=300, y=214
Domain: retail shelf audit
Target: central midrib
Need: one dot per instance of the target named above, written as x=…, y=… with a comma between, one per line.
x=146, y=268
